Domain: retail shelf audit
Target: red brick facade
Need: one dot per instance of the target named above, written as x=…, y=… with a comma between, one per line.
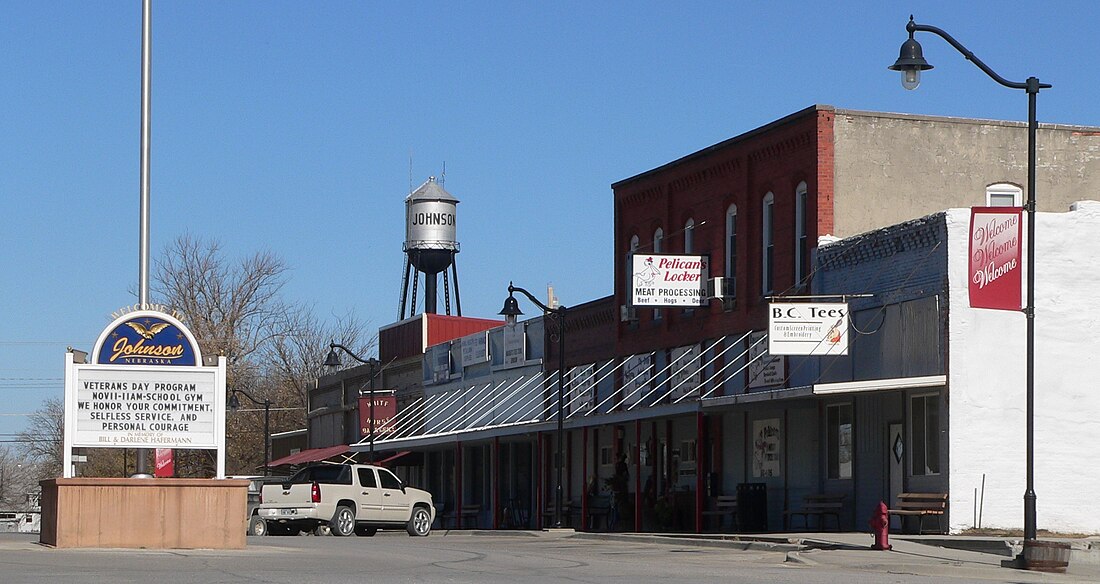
x=702, y=186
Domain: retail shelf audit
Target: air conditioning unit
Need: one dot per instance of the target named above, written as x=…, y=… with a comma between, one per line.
x=628, y=313
x=720, y=287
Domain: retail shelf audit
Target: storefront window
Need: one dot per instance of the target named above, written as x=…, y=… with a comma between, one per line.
x=926, y=434
x=839, y=428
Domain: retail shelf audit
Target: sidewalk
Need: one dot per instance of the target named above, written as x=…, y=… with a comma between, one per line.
x=928, y=555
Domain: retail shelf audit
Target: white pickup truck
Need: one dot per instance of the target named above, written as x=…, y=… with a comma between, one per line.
x=348, y=498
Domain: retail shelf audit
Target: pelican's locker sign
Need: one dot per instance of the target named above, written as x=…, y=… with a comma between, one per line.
x=669, y=280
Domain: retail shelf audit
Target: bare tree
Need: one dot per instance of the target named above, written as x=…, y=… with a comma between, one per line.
x=274, y=349
x=43, y=439
x=233, y=309
x=296, y=358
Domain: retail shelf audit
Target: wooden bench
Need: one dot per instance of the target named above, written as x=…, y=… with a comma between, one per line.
x=447, y=515
x=920, y=505
x=515, y=515
x=821, y=505
x=598, y=507
x=721, y=507
x=469, y=515
x=549, y=511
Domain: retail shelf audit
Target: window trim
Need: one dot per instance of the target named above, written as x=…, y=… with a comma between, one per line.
x=689, y=236
x=731, y=252
x=1004, y=188
x=658, y=239
x=912, y=446
x=801, y=235
x=767, y=245
x=831, y=441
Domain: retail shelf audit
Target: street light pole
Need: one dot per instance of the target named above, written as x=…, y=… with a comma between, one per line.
x=511, y=311
x=235, y=403
x=910, y=63
x=333, y=361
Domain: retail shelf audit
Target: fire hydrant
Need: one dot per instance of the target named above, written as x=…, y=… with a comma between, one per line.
x=880, y=527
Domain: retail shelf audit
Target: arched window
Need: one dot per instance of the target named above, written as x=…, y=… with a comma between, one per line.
x=629, y=313
x=1004, y=195
x=801, y=237
x=731, y=253
x=658, y=237
x=767, y=245
x=689, y=236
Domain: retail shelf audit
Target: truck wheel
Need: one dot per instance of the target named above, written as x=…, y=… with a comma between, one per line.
x=343, y=522
x=420, y=524
x=365, y=530
x=257, y=526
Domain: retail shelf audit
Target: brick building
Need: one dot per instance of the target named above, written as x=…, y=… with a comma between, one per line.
x=684, y=400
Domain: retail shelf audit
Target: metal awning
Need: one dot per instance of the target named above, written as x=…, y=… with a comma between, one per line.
x=528, y=403
x=880, y=384
x=311, y=455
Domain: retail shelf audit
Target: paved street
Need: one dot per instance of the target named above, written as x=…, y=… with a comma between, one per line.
x=468, y=557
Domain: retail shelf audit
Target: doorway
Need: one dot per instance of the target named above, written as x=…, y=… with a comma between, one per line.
x=895, y=449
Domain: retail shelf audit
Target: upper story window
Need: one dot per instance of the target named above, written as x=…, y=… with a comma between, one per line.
x=689, y=236
x=731, y=252
x=658, y=238
x=1004, y=195
x=767, y=245
x=801, y=237
x=629, y=263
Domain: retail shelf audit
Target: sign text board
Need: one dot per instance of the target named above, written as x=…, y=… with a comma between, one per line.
x=806, y=328
x=669, y=280
x=158, y=407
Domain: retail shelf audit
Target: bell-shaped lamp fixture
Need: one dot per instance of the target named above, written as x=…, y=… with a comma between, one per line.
x=511, y=310
x=910, y=62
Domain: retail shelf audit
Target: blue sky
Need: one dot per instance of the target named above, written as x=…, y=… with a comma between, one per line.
x=289, y=127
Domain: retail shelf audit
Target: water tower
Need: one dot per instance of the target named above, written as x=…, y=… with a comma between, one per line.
x=430, y=246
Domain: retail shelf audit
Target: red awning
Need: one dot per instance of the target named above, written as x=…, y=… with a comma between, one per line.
x=311, y=455
x=391, y=458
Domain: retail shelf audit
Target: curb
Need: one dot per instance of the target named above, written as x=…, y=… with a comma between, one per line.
x=715, y=542
x=800, y=559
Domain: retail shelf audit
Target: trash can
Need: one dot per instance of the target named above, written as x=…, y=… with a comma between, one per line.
x=752, y=507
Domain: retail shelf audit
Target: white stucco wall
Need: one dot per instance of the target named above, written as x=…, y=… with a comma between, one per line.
x=987, y=352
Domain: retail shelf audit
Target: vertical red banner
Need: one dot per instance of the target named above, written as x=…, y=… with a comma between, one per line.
x=165, y=464
x=995, y=268
x=385, y=408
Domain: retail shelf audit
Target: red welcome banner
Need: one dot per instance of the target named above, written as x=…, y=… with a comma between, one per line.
x=165, y=463
x=996, y=263
x=385, y=409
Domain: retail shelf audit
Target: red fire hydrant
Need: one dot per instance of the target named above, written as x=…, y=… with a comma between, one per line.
x=880, y=527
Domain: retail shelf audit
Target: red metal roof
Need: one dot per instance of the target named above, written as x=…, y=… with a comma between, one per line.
x=409, y=338
x=311, y=455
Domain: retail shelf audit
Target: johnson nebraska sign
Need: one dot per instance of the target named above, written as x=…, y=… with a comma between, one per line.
x=995, y=266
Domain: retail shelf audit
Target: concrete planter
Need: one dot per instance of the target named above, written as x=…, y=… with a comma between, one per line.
x=144, y=513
